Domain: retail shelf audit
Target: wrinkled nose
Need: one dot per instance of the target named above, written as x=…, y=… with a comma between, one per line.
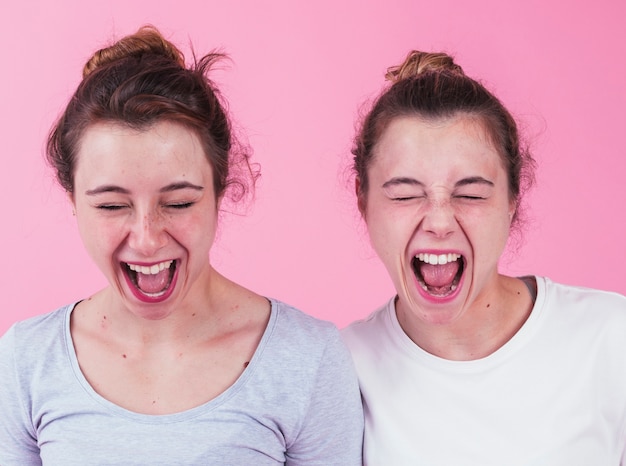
x=440, y=219
x=147, y=234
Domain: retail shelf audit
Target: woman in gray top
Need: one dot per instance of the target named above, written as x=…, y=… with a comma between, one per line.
x=171, y=363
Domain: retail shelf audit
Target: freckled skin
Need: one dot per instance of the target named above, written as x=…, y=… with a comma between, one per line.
x=146, y=198
x=440, y=186
x=129, y=169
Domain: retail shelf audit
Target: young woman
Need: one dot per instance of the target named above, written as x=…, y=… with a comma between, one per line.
x=466, y=365
x=172, y=363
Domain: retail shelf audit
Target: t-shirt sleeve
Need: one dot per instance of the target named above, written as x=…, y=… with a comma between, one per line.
x=18, y=446
x=332, y=432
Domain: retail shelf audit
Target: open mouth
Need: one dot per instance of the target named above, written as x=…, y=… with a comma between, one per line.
x=438, y=274
x=152, y=281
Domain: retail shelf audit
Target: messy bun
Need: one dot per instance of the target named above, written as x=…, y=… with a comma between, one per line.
x=432, y=86
x=140, y=80
x=418, y=62
x=147, y=40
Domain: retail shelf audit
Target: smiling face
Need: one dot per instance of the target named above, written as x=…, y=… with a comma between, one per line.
x=438, y=213
x=147, y=212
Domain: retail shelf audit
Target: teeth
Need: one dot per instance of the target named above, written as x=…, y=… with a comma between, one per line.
x=435, y=259
x=152, y=270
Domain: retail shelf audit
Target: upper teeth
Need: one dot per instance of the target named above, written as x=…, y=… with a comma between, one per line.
x=436, y=259
x=152, y=270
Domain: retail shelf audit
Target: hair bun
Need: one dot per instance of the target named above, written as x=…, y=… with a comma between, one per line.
x=418, y=62
x=147, y=40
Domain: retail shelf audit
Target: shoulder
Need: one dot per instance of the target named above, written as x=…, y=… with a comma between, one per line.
x=33, y=355
x=571, y=298
x=373, y=328
x=296, y=341
x=585, y=312
x=35, y=338
x=293, y=324
x=302, y=348
x=41, y=325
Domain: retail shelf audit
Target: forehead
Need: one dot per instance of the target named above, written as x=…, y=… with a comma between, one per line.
x=115, y=149
x=442, y=146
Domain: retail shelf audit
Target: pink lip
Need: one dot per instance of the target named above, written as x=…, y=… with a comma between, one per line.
x=150, y=299
x=435, y=299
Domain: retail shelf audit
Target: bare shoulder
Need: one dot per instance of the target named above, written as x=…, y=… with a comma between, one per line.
x=241, y=303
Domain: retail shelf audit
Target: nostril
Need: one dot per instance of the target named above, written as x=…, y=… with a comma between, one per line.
x=441, y=222
x=147, y=236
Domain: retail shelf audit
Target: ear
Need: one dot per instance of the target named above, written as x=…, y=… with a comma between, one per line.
x=360, y=198
x=70, y=197
x=512, y=210
x=218, y=202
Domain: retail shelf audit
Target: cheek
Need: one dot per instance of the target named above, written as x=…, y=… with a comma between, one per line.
x=99, y=247
x=376, y=225
x=488, y=235
x=199, y=229
x=100, y=237
x=388, y=236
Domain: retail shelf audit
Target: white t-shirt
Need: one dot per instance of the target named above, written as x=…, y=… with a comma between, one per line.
x=296, y=403
x=554, y=395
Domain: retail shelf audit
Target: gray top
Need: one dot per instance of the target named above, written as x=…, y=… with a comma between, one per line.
x=297, y=403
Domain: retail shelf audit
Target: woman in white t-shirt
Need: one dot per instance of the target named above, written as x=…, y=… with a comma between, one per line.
x=465, y=365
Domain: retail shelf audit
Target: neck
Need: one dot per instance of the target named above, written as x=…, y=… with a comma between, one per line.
x=192, y=317
x=480, y=330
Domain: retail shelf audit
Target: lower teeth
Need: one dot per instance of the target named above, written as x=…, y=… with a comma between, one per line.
x=429, y=290
x=152, y=295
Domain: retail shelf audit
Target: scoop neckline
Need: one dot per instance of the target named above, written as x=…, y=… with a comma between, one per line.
x=180, y=416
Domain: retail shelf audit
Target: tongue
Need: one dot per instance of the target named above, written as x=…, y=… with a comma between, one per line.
x=153, y=283
x=439, y=275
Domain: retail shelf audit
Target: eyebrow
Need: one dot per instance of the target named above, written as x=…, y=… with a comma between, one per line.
x=400, y=180
x=110, y=188
x=473, y=180
x=181, y=185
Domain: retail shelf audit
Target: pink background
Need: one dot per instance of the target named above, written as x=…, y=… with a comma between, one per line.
x=300, y=71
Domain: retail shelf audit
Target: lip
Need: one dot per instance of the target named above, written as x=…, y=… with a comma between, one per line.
x=143, y=297
x=425, y=295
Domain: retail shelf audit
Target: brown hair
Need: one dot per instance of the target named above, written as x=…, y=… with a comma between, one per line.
x=432, y=86
x=140, y=80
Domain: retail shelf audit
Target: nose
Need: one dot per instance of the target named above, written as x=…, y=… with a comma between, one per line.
x=147, y=233
x=439, y=219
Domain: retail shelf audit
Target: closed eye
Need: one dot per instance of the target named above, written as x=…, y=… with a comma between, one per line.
x=402, y=189
x=182, y=205
x=407, y=198
x=110, y=207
